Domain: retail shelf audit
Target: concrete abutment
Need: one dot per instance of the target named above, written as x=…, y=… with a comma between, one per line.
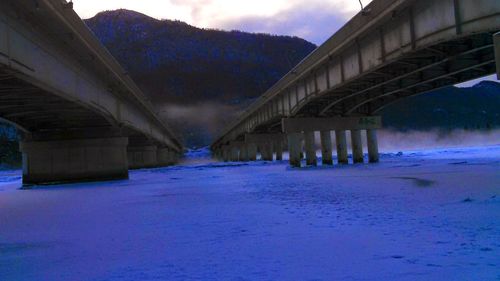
x=294, y=148
x=496, y=42
x=341, y=142
x=357, y=146
x=298, y=128
x=373, y=154
x=59, y=161
x=140, y=157
x=326, y=147
x=310, y=148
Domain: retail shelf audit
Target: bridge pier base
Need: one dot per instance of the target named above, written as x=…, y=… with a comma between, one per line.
x=310, y=149
x=341, y=142
x=225, y=153
x=234, y=151
x=266, y=151
x=50, y=162
x=244, y=152
x=140, y=157
x=174, y=157
x=294, y=148
x=278, y=147
x=496, y=40
x=252, y=151
x=326, y=147
x=357, y=146
x=216, y=154
x=373, y=155
x=163, y=157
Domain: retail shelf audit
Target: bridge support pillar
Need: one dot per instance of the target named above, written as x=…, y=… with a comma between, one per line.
x=373, y=155
x=266, y=151
x=216, y=154
x=326, y=147
x=164, y=157
x=341, y=142
x=310, y=149
x=244, y=152
x=173, y=157
x=252, y=151
x=496, y=40
x=234, y=151
x=225, y=153
x=140, y=157
x=46, y=162
x=278, y=147
x=357, y=146
x=294, y=148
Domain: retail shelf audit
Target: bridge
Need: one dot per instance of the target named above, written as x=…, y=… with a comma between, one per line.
x=392, y=50
x=80, y=114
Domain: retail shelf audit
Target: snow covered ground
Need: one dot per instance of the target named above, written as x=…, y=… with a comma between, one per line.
x=428, y=215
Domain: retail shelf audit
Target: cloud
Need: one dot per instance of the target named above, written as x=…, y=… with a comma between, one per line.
x=314, y=20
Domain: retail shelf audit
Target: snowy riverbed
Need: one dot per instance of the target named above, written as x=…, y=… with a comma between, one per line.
x=428, y=215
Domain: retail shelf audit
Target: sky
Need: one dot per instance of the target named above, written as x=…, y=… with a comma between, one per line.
x=313, y=20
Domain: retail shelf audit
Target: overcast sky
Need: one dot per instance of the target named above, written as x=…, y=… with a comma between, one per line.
x=313, y=20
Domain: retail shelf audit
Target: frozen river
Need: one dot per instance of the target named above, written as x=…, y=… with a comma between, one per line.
x=431, y=215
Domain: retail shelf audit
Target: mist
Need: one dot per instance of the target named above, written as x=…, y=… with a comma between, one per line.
x=391, y=140
x=199, y=124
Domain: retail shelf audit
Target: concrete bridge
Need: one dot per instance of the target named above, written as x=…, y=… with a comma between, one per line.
x=80, y=114
x=392, y=50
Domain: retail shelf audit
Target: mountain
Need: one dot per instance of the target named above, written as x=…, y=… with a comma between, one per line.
x=199, y=79
x=178, y=63
x=473, y=108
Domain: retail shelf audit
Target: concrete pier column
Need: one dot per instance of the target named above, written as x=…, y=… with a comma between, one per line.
x=266, y=151
x=278, y=148
x=46, y=162
x=225, y=153
x=373, y=155
x=244, y=152
x=326, y=147
x=216, y=154
x=163, y=157
x=496, y=40
x=294, y=148
x=310, y=149
x=252, y=152
x=173, y=157
x=234, y=152
x=140, y=157
x=341, y=142
x=357, y=146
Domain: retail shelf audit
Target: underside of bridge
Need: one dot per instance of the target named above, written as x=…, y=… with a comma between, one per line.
x=64, y=141
x=423, y=71
x=80, y=115
x=36, y=111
